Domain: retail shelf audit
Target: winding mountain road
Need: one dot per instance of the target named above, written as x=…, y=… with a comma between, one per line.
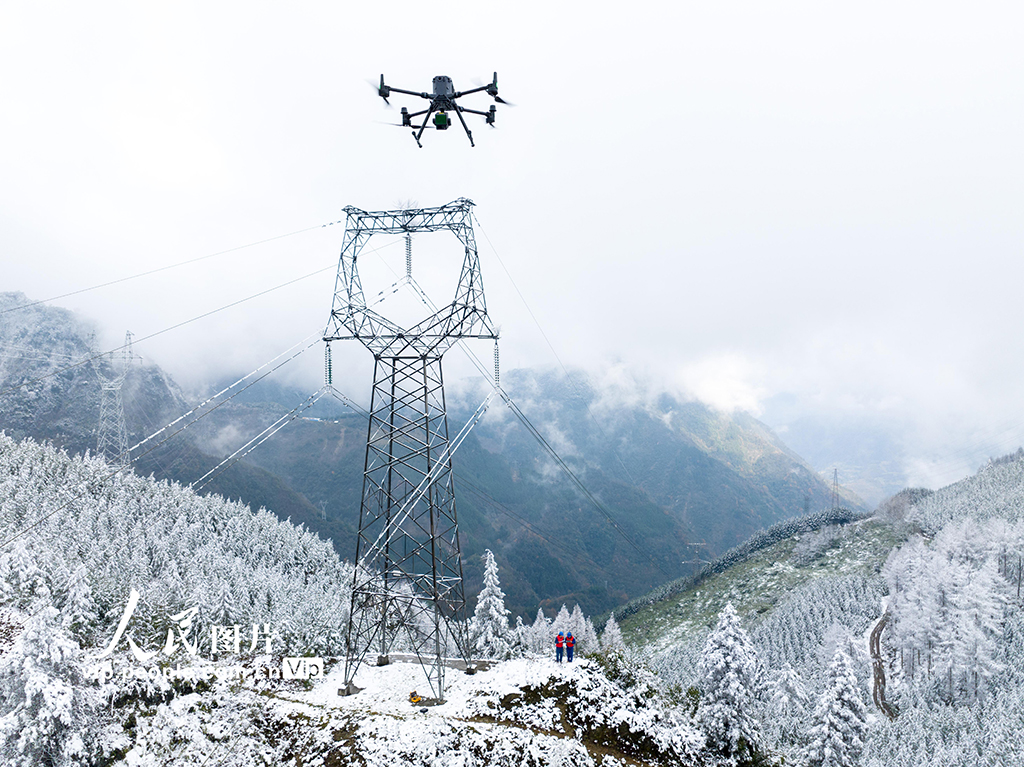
x=878, y=668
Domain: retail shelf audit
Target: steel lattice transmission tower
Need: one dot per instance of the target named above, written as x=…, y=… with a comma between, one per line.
x=408, y=578
x=112, y=434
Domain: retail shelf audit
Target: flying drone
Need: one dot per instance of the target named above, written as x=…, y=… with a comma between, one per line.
x=442, y=101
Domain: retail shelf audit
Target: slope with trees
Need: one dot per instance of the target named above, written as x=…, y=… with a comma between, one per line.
x=942, y=568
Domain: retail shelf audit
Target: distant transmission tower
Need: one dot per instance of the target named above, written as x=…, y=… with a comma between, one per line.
x=835, y=489
x=408, y=578
x=112, y=435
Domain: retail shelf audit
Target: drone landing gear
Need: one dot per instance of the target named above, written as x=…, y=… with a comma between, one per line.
x=462, y=120
x=418, y=134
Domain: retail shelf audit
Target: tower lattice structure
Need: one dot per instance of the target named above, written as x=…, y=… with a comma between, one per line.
x=112, y=433
x=408, y=577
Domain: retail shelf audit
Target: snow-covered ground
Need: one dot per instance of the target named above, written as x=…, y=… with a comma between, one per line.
x=386, y=689
x=524, y=711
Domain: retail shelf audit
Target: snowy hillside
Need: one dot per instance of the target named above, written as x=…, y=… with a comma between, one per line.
x=529, y=711
x=89, y=556
x=34, y=343
x=141, y=624
x=995, y=492
x=92, y=536
x=935, y=578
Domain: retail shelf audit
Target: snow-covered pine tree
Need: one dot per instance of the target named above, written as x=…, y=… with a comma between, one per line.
x=788, y=695
x=729, y=669
x=589, y=637
x=224, y=610
x=541, y=633
x=80, y=607
x=583, y=630
x=787, y=708
x=980, y=614
x=488, y=628
x=840, y=718
x=562, y=622
x=519, y=640
x=611, y=637
x=47, y=715
x=26, y=580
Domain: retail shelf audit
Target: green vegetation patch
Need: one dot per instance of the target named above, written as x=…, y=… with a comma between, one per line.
x=757, y=583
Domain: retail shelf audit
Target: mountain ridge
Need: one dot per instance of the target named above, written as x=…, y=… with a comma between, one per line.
x=694, y=475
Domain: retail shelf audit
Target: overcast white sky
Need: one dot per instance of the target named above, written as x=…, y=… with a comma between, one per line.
x=742, y=201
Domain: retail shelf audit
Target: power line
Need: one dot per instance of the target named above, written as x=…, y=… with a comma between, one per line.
x=565, y=370
x=166, y=268
x=486, y=498
x=43, y=352
x=536, y=434
x=137, y=458
x=226, y=389
x=578, y=482
x=165, y=330
x=258, y=440
x=472, y=487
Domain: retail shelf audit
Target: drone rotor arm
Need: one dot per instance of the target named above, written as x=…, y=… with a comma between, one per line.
x=460, y=94
x=410, y=93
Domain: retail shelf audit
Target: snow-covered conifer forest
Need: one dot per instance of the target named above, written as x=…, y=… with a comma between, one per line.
x=142, y=624
x=892, y=640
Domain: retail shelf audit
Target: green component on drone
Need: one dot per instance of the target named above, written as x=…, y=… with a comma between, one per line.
x=441, y=121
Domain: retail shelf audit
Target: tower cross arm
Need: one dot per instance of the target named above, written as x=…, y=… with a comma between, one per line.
x=454, y=216
x=455, y=322
x=360, y=322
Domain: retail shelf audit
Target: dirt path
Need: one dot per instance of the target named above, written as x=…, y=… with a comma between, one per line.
x=878, y=668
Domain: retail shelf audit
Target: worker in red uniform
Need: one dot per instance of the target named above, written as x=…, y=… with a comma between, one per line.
x=570, y=643
x=559, y=644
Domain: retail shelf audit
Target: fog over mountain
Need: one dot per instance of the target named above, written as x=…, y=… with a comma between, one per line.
x=737, y=202
x=679, y=481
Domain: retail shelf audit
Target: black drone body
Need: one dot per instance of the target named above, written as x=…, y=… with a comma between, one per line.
x=442, y=102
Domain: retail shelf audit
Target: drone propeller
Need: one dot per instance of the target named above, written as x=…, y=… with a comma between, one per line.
x=492, y=91
x=382, y=90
